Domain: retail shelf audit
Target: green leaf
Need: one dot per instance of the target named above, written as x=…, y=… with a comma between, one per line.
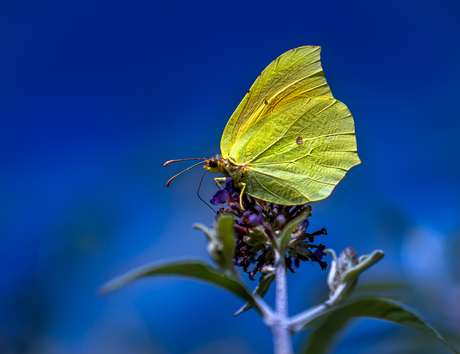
x=335, y=319
x=260, y=290
x=364, y=263
x=221, y=242
x=372, y=288
x=285, y=236
x=191, y=269
x=224, y=225
x=344, y=273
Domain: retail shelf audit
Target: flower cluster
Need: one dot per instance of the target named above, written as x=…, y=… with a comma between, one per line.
x=258, y=224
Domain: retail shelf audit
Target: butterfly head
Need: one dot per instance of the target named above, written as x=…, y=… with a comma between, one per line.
x=214, y=164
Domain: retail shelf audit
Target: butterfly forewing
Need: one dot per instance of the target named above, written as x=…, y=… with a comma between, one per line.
x=295, y=75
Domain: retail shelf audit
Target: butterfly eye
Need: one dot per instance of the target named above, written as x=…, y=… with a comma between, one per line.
x=213, y=162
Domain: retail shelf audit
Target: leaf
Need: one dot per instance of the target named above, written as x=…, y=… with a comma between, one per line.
x=191, y=269
x=285, y=236
x=344, y=272
x=332, y=321
x=224, y=225
x=221, y=242
x=260, y=290
x=364, y=263
x=371, y=287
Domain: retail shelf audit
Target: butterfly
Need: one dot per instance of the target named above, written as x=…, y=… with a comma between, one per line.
x=289, y=141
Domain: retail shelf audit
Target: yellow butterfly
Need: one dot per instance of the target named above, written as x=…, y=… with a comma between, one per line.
x=289, y=141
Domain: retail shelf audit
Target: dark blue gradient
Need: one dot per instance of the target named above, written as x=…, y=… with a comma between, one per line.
x=96, y=95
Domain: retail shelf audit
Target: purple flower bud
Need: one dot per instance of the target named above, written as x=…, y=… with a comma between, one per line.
x=323, y=265
x=246, y=213
x=258, y=209
x=281, y=219
x=319, y=254
x=251, y=219
x=254, y=220
x=236, y=197
x=220, y=197
x=229, y=186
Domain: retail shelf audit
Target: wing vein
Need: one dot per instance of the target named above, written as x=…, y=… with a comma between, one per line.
x=274, y=83
x=282, y=135
x=284, y=180
x=270, y=192
x=294, y=82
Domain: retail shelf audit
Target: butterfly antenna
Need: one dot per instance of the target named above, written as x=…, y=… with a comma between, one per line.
x=198, y=193
x=171, y=179
x=171, y=161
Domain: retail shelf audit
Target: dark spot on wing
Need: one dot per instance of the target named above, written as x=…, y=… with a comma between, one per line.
x=299, y=141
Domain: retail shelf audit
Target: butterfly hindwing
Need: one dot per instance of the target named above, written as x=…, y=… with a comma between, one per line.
x=298, y=153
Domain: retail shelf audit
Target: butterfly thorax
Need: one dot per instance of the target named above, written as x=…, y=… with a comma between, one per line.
x=227, y=168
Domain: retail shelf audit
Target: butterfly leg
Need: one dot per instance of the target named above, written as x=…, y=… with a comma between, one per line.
x=218, y=181
x=241, y=194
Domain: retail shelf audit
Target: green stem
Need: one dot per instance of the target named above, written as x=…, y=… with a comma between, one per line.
x=280, y=328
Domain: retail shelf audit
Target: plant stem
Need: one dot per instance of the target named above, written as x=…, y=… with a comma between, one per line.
x=281, y=333
x=301, y=320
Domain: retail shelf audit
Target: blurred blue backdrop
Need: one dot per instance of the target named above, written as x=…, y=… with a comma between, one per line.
x=96, y=95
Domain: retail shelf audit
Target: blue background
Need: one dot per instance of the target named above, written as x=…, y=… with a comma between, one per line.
x=96, y=95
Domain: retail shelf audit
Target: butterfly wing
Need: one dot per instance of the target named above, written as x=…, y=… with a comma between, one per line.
x=298, y=153
x=295, y=75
